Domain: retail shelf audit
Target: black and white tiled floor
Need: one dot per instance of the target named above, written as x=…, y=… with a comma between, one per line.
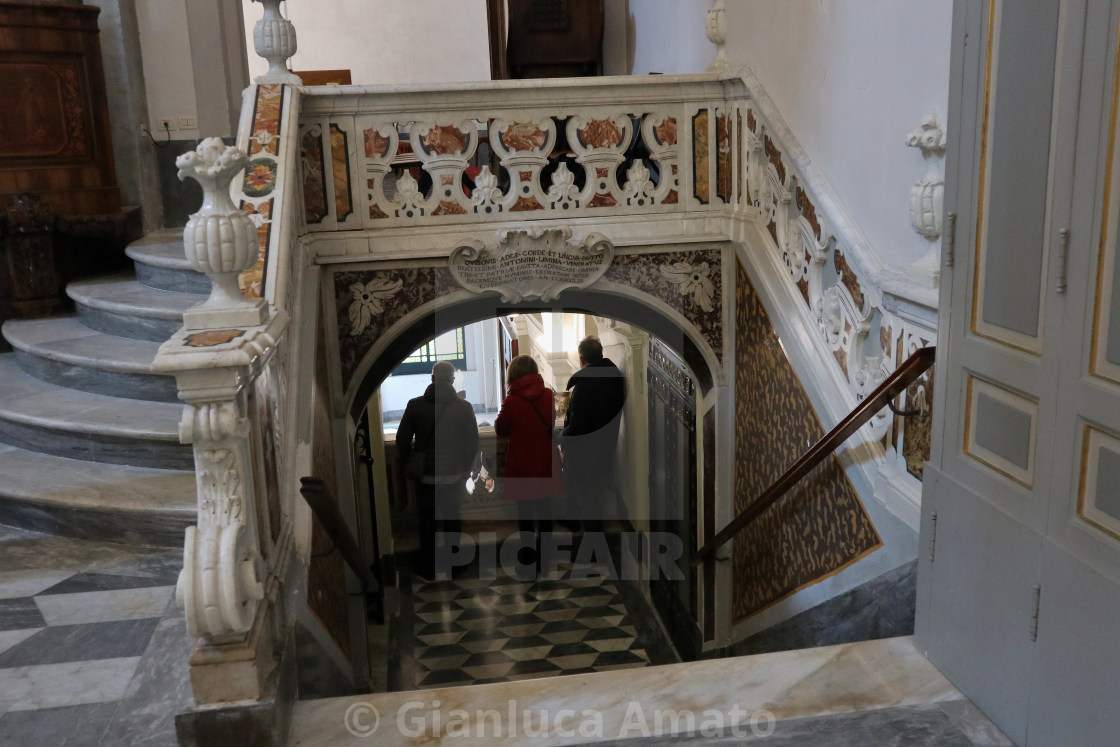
x=92, y=649
x=476, y=631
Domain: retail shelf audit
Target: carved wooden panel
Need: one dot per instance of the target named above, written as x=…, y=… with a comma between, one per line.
x=54, y=120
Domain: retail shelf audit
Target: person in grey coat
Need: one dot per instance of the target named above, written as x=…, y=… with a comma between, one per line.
x=444, y=428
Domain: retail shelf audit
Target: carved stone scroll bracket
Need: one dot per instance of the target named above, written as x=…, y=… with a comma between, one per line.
x=927, y=198
x=531, y=263
x=223, y=577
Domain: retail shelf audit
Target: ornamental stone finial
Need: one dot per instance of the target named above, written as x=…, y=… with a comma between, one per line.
x=274, y=38
x=219, y=240
x=716, y=28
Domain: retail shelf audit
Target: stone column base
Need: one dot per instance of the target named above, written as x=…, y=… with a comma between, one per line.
x=263, y=722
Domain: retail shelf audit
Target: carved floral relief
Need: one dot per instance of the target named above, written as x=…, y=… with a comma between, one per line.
x=690, y=282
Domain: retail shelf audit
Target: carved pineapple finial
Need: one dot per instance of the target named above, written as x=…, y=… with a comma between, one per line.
x=274, y=38
x=219, y=240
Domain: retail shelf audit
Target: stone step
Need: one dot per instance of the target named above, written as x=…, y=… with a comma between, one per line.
x=161, y=263
x=63, y=351
x=108, y=502
x=119, y=305
x=40, y=416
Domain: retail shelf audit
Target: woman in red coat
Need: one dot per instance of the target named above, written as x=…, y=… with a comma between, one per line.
x=532, y=476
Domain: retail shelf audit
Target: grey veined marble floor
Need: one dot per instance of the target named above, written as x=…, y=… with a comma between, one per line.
x=92, y=648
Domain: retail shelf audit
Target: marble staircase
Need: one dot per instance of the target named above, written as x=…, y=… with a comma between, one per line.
x=89, y=436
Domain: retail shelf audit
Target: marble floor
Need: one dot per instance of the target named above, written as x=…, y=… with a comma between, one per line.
x=470, y=631
x=880, y=692
x=93, y=650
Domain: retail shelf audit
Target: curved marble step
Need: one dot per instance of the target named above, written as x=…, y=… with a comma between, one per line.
x=119, y=305
x=63, y=351
x=106, y=502
x=160, y=263
x=39, y=416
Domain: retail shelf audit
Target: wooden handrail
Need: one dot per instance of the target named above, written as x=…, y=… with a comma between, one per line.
x=315, y=492
x=913, y=367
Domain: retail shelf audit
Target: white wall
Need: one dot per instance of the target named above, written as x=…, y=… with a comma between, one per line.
x=385, y=41
x=668, y=36
x=852, y=78
x=165, y=47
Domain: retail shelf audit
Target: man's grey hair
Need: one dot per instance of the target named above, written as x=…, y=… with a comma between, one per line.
x=590, y=349
x=443, y=371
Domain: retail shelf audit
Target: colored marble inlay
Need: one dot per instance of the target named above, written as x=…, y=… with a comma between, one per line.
x=445, y=140
x=446, y=207
x=672, y=198
x=848, y=278
x=775, y=157
x=700, y=156
x=266, y=120
x=751, y=123
x=600, y=133
x=666, y=131
x=602, y=199
x=524, y=204
x=340, y=163
x=251, y=281
x=375, y=211
x=819, y=527
x=260, y=178
x=918, y=432
x=723, y=158
x=418, y=286
x=739, y=154
x=808, y=211
x=522, y=136
x=212, y=337
x=314, y=176
x=690, y=298
x=376, y=144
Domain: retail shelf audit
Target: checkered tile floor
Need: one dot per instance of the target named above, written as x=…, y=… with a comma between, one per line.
x=78, y=624
x=473, y=631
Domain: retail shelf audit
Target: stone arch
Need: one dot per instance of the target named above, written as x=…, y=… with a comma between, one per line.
x=461, y=307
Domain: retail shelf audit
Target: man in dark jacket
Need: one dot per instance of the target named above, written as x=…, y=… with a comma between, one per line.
x=446, y=431
x=590, y=436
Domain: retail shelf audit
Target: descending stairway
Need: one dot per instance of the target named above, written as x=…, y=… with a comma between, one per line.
x=89, y=436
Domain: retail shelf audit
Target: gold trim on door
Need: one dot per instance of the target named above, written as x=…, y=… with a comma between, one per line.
x=1007, y=337
x=1099, y=365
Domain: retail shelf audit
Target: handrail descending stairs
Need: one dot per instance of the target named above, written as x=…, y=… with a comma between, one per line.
x=913, y=367
x=319, y=500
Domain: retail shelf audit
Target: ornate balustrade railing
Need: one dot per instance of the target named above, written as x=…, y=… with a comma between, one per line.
x=514, y=150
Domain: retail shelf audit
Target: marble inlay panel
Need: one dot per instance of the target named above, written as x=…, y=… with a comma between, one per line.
x=9, y=638
x=70, y=726
x=820, y=526
x=28, y=583
x=70, y=683
x=700, y=156
x=55, y=645
x=20, y=613
x=103, y=606
x=689, y=282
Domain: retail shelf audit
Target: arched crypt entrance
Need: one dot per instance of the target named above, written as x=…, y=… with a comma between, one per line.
x=378, y=313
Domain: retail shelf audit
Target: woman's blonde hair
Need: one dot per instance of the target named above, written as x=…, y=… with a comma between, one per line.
x=522, y=365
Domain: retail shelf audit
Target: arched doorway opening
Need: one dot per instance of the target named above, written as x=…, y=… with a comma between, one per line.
x=574, y=622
